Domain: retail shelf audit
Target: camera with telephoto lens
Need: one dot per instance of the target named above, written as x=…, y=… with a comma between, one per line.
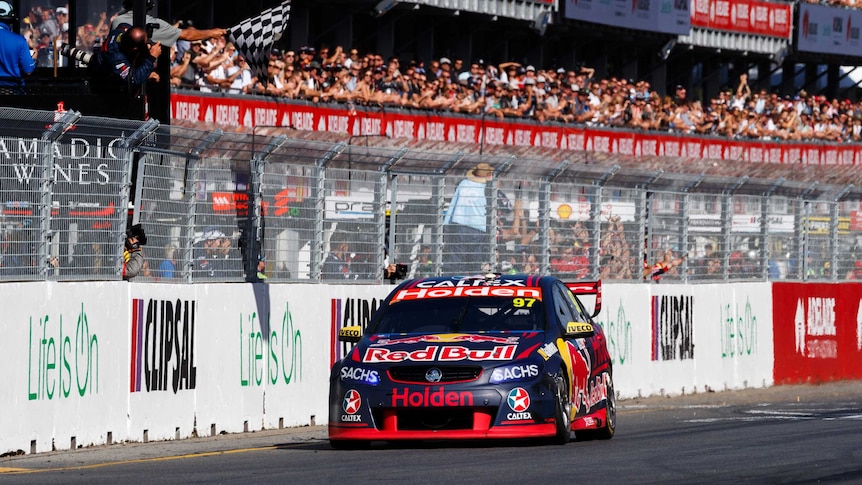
x=400, y=271
x=75, y=54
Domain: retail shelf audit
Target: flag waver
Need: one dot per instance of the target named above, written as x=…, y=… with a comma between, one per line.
x=254, y=37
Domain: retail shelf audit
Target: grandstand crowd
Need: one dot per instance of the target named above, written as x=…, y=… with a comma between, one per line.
x=508, y=90
x=512, y=90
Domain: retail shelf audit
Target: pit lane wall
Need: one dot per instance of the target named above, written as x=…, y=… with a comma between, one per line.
x=105, y=362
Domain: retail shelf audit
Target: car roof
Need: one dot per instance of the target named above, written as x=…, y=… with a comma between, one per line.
x=525, y=280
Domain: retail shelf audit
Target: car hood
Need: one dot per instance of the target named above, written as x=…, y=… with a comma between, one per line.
x=492, y=348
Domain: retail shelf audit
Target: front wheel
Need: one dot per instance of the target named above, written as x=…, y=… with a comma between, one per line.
x=563, y=412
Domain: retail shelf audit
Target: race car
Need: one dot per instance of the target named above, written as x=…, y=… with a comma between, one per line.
x=484, y=357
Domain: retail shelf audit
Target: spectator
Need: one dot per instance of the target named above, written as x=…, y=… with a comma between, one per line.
x=336, y=266
x=206, y=261
x=165, y=34
x=466, y=222
x=16, y=57
x=617, y=261
x=666, y=265
x=169, y=264
x=680, y=95
x=133, y=256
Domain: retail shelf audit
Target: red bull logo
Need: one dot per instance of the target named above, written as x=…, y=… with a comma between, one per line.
x=581, y=369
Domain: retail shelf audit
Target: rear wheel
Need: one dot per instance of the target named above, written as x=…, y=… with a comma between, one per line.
x=563, y=410
x=607, y=431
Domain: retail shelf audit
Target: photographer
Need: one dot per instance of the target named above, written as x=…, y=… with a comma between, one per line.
x=394, y=272
x=133, y=256
x=127, y=55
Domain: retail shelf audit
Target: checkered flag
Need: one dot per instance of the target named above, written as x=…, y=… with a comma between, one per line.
x=254, y=37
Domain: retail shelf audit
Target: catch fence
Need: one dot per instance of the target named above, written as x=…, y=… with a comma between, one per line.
x=224, y=207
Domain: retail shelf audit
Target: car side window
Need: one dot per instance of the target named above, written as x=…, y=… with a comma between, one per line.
x=576, y=308
x=562, y=306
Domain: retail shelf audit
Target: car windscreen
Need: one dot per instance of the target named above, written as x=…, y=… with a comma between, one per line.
x=461, y=315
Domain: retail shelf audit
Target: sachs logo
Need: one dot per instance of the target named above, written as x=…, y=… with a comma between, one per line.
x=352, y=401
x=518, y=400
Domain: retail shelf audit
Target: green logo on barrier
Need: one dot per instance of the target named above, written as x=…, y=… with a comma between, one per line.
x=619, y=333
x=285, y=350
x=56, y=359
x=738, y=331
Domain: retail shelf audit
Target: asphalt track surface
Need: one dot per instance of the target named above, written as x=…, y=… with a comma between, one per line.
x=787, y=434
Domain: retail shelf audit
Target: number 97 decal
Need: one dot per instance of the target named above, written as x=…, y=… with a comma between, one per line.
x=523, y=302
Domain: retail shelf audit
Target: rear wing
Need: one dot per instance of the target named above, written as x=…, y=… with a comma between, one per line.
x=579, y=288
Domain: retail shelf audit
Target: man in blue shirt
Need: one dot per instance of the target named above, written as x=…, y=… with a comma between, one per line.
x=16, y=59
x=465, y=227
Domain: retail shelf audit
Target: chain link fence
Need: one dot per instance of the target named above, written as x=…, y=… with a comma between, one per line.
x=235, y=207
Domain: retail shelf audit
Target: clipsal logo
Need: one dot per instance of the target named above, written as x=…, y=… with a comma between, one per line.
x=352, y=402
x=450, y=353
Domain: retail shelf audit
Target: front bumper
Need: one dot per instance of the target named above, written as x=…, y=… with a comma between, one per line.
x=442, y=412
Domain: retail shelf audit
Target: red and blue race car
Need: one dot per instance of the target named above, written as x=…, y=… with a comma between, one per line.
x=492, y=356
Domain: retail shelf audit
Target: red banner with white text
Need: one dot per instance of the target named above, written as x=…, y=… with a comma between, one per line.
x=254, y=111
x=754, y=17
x=817, y=332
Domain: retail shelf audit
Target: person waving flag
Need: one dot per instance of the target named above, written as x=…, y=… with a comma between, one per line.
x=254, y=38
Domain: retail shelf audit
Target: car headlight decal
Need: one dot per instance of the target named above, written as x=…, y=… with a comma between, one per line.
x=360, y=374
x=516, y=372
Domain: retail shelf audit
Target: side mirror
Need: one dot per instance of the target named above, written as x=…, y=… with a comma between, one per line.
x=350, y=334
x=579, y=330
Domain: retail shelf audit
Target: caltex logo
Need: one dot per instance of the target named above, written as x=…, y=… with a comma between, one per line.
x=352, y=401
x=518, y=400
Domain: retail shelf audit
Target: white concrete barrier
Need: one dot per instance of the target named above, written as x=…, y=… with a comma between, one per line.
x=100, y=362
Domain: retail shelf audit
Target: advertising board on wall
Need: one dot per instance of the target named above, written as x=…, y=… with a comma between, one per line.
x=818, y=332
x=663, y=16
x=754, y=17
x=420, y=125
x=829, y=30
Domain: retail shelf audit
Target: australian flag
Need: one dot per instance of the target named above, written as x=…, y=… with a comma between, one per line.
x=254, y=37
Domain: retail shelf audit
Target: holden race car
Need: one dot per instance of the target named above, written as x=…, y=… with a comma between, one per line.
x=492, y=356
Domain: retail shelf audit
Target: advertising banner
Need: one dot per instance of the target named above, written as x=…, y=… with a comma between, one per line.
x=829, y=30
x=818, y=332
x=674, y=339
x=254, y=111
x=663, y=16
x=164, y=329
x=753, y=17
x=733, y=340
x=62, y=385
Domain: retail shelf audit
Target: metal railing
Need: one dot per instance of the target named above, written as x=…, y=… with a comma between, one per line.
x=228, y=207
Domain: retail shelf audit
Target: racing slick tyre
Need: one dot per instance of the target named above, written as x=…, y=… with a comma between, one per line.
x=349, y=444
x=563, y=411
